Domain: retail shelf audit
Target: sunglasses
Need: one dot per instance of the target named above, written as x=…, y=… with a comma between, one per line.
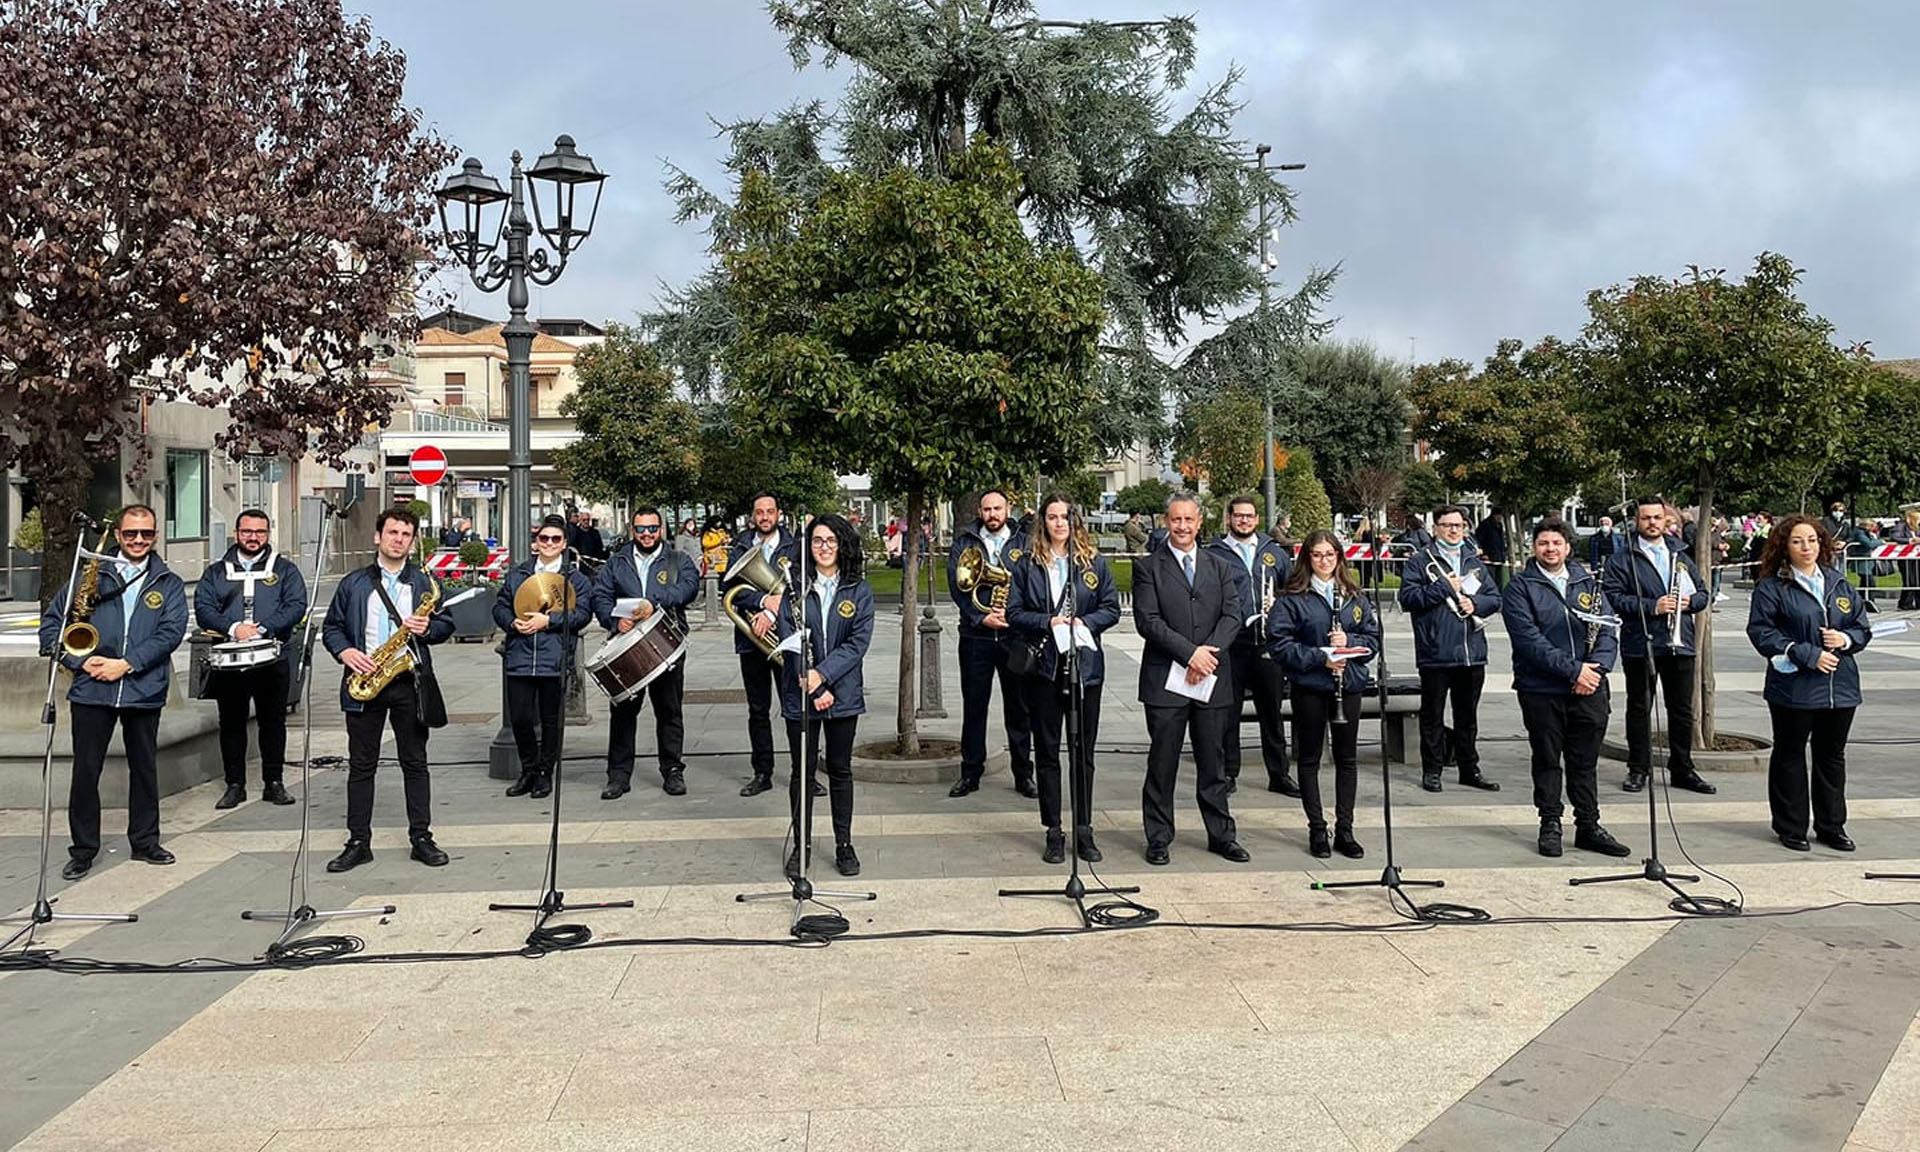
x=644, y=529
x=138, y=533
x=550, y=538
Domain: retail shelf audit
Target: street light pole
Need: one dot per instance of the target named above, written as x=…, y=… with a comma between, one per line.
x=1267, y=263
x=562, y=172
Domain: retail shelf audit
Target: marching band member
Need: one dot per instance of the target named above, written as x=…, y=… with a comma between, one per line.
x=1322, y=607
x=662, y=579
x=1450, y=594
x=1657, y=591
x=536, y=655
x=1808, y=621
x=139, y=612
x=839, y=628
x=756, y=672
x=371, y=606
x=983, y=653
x=1061, y=560
x=252, y=592
x=1266, y=566
x=1560, y=666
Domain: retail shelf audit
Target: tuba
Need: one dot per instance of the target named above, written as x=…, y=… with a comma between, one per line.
x=752, y=572
x=80, y=639
x=971, y=572
x=393, y=657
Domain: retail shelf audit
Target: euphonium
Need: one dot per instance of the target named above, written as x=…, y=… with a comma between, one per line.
x=752, y=571
x=972, y=571
x=394, y=656
x=80, y=639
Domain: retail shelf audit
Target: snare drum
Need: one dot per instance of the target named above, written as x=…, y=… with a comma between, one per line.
x=240, y=655
x=631, y=660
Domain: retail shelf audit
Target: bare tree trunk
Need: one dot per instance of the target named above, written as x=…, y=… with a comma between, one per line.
x=906, y=722
x=1704, y=730
x=61, y=492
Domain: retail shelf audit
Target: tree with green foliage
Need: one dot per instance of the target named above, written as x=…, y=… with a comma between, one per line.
x=1220, y=442
x=638, y=441
x=737, y=463
x=1147, y=498
x=1421, y=489
x=1299, y=493
x=1154, y=196
x=1696, y=377
x=1356, y=420
x=905, y=326
x=1876, y=462
x=1082, y=486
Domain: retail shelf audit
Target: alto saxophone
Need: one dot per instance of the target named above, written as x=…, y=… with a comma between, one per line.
x=80, y=639
x=394, y=656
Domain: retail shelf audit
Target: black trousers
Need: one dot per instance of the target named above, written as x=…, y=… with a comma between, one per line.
x=397, y=705
x=1462, y=685
x=1675, y=676
x=265, y=690
x=1260, y=678
x=756, y=676
x=1787, y=791
x=1909, y=585
x=533, y=711
x=981, y=662
x=1312, y=720
x=1167, y=731
x=1047, y=703
x=829, y=746
x=1564, y=732
x=92, y=732
x=668, y=691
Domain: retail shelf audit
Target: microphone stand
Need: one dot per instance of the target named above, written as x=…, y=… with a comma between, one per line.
x=552, y=901
x=1390, y=877
x=1075, y=889
x=300, y=913
x=800, y=888
x=42, y=911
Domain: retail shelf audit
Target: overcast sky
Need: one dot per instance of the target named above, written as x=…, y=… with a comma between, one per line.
x=1475, y=167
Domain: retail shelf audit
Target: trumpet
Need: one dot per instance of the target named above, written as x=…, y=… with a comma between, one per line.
x=1439, y=575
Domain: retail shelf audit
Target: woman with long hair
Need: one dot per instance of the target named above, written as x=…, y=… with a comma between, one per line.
x=1808, y=621
x=830, y=696
x=1322, y=608
x=1060, y=582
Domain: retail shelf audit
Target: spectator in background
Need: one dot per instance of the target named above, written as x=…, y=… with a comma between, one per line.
x=713, y=544
x=1907, y=531
x=1283, y=532
x=687, y=543
x=1602, y=545
x=1135, y=533
x=1491, y=536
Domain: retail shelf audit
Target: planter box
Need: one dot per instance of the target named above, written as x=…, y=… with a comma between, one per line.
x=26, y=575
x=473, y=618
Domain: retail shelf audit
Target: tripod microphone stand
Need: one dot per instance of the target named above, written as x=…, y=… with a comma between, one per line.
x=300, y=912
x=42, y=911
x=1068, y=662
x=800, y=887
x=1390, y=877
x=552, y=901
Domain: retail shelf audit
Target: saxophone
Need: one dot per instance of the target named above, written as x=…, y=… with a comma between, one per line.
x=80, y=639
x=394, y=656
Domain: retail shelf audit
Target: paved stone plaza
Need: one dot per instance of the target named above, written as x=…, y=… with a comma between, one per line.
x=1763, y=1032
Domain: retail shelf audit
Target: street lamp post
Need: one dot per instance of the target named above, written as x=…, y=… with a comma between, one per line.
x=1268, y=261
x=561, y=174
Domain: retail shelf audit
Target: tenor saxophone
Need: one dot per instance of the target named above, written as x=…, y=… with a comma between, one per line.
x=394, y=656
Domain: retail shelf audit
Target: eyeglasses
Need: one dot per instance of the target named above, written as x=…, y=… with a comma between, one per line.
x=827, y=542
x=138, y=533
x=550, y=538
x=644, y=529
x=1451, y=524
x=1323, y=555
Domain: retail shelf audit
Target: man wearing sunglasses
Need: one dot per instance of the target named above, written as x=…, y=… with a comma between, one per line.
x=250, y=593
x=657, y=579
x=140, y=613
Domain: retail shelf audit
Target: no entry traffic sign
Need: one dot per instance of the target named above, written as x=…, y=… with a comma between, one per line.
x=427, y=464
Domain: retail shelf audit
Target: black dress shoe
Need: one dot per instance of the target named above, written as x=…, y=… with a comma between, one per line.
x=1478, y=781
x=1593, y=838
x=542, y=787
x=1231, y=850
x=1285, y=786
x=1089, y=851
x=1157, y=854
x=792, y=868
x=152, y=854
x=756, y=786
x=844, y=860
x=1430, y=781
x=1635, y=781
x=673, y=784
x=817, y=788
x=276, y=793
x=1550, y=837
x=1797, y=843
x=1346, y=845
x=76, y=867
x=1056, y=850
x=1838, y=841
x=964, y=785
x=428, y=853
x=1026, y=787
x=1693, y=782
x=1317, y=844
x=614, y=790
x=352, y=856
x=521, y=786
x=233, y=797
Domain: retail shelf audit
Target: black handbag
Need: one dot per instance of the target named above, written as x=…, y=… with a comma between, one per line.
x=1023, y=657
x=430, y=707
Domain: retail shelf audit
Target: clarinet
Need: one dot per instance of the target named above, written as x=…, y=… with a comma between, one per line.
x=1340, y=677
x=1673, y=588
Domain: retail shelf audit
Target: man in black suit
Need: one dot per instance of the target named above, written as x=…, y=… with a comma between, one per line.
x=1186, y=607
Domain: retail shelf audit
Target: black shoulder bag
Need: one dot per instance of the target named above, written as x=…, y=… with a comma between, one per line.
x=429, y=705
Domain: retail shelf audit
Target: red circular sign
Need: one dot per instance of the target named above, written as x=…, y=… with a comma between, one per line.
x=427, y=464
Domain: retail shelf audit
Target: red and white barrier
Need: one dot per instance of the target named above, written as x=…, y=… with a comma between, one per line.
x=1895, y=552
x=445, y=564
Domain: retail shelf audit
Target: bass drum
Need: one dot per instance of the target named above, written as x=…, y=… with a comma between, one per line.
x=631, y=660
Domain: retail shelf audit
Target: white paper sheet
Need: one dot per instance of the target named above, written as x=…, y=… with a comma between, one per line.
x=1470, y=583
x=1177, y=683
x=1890, y=627
x=1082, y=635
x=626, y=606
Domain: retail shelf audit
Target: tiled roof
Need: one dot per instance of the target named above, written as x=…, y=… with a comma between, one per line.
x=440, y=337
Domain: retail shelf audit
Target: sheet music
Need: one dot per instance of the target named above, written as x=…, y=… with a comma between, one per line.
x=626, y=606
x=1081, y=635
x=1177, y=683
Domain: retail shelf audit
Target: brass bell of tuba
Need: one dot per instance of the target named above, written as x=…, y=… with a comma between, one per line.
x=752, y=572
x=972, y=572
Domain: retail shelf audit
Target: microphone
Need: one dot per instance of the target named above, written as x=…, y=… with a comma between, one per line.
x=80, y=517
